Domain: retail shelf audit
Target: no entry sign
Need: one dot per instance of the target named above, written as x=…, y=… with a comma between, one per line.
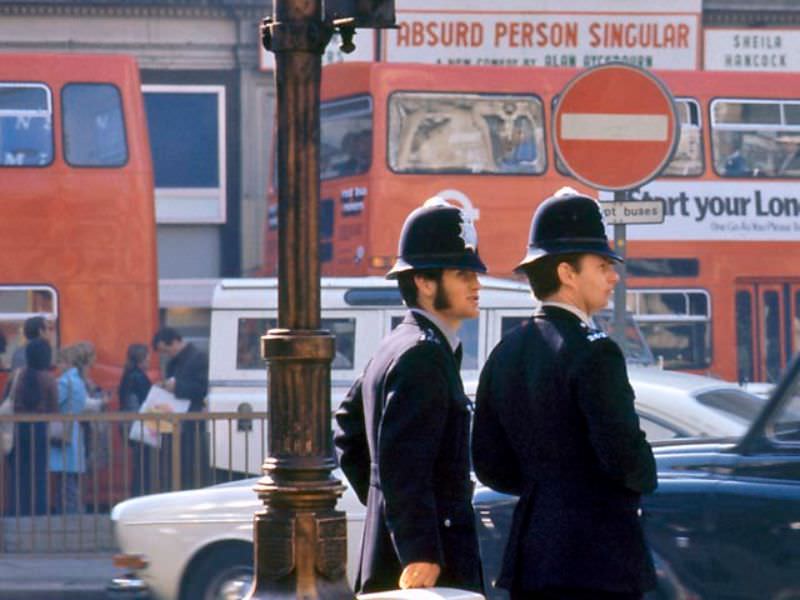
x=615, y=127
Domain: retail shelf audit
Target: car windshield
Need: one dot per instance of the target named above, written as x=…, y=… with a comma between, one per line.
x=736, y=403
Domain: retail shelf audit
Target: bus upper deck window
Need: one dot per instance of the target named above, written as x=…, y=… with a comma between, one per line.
x=26, y=124
x=756, y=138
x=688, y=158
x=345, y=137
x=94, y=130
x=465, y=133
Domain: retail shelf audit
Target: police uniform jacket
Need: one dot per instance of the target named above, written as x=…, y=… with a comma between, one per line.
x=555, y=424
x=402, y=435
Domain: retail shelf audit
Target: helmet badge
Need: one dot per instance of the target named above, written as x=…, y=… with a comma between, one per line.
x=469, y=234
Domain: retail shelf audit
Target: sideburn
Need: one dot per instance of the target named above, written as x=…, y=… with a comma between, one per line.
x=441, y=301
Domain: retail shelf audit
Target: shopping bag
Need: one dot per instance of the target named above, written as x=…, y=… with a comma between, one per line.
x=159, y=400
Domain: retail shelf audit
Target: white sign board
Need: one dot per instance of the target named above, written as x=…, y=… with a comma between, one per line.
x=567, y=34
x=752, y=49
x=364, y=41
x=629, y=213
x=751, y=211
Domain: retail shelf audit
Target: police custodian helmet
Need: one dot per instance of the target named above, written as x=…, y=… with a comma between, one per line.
x=567, y=223
x=437, y=236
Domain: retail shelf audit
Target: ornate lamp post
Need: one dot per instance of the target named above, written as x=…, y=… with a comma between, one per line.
x=300, y=537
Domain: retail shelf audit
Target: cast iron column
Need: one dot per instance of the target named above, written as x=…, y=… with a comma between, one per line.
x=300, y=538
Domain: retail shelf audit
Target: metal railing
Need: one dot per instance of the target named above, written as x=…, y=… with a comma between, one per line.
x=46, y=509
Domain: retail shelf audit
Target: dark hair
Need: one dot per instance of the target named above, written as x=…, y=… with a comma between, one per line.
x=136, y=355
x=408, y=289
x=39, y=357
x=543, y=273
x=3, y=343
x=33, y=327
x=166, y=335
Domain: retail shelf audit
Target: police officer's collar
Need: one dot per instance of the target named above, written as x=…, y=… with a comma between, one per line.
x=450, y=335
x=584, y=318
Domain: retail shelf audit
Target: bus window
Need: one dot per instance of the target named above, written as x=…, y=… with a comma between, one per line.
x=18, y=303
x=676, y=325
x=744, y=335
x=94, y=131
x=662, y=267
x=465, y=133
x=772, y=340
x=796, y=324
x=26, y=125
x=688, y=158
x=345, y=137
x=756, y=138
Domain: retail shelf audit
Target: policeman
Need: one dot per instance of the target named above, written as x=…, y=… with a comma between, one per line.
x=402, y=433
x=555, y=424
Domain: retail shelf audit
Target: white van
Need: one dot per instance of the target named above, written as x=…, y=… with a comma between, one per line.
x=360, y=312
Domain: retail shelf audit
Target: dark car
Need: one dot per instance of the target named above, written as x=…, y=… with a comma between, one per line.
x=725, y=520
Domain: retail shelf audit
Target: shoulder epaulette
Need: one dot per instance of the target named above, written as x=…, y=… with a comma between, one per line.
x=596, y=334
x=428, y=335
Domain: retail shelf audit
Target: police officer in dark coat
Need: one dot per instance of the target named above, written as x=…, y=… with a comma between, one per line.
x=403, y=430
x=555, y=424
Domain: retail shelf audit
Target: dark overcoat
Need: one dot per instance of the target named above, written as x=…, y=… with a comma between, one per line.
x=555, y=424
x=402, y=435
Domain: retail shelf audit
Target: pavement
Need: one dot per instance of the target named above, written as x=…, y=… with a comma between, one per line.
x=55, y=576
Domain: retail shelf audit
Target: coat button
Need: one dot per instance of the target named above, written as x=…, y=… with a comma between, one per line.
x=447, y=523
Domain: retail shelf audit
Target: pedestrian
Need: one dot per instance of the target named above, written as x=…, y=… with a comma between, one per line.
x=134, y=386
x=186, y=376
x=555, y=424
x=403, y=429
x=34, y=391
x=33, y=328
x=68, y=456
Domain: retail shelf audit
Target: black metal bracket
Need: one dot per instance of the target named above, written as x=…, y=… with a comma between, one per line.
x=297, y=36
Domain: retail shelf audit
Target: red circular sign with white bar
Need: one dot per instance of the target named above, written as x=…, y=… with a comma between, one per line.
x=615, y=127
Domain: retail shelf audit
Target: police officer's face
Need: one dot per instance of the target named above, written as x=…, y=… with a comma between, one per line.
x=460, y=290
x=593, y=284
x=453, y=299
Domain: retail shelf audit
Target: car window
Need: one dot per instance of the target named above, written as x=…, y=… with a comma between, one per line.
x=658, y=429
x=786, y=423
x=741, y=405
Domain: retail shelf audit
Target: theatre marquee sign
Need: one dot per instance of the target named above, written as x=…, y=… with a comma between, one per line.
x=762, y=49
x=572, y=34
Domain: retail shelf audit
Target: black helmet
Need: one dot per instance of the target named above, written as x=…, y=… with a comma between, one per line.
x=567, y=223
x=437, y=236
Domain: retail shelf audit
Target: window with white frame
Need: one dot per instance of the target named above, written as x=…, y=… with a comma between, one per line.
x=17, y=304
x=187, y=138
x=26, y=125
x=676, y=324
x=756, y=138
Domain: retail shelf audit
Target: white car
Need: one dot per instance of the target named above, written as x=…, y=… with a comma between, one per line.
x=197, y=545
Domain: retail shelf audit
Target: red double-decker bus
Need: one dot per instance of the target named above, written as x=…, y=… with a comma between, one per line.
x=715, y=288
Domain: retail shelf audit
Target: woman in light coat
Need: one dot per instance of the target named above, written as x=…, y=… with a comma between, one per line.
x=68, y=460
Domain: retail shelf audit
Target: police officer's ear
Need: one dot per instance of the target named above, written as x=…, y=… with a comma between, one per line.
x=426, y=288
x=567, y=271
